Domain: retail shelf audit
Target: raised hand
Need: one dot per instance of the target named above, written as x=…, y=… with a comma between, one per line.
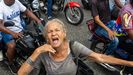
x=45, y=48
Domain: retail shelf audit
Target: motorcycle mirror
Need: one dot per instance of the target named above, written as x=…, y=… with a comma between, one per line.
x=9, y=23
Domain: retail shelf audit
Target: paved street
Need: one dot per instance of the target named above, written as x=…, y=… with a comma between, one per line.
x=79, y=33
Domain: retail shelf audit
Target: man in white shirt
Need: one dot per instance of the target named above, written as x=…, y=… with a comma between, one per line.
x=10, y=11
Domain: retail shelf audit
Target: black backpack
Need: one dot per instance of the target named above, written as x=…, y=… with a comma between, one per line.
x=83, y=69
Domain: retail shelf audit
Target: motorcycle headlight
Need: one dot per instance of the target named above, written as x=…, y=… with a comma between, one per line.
x=35, y=5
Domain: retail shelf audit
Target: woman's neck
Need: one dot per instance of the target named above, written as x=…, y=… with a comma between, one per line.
x=62, y=50
x=62, y=47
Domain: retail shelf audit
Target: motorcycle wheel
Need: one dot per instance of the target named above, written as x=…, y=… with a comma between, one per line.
x=86, y=4
x=74, y=15
x=98, y=46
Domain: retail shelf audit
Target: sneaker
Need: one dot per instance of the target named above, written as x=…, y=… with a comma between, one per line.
x=13, y=68
x=50, y=17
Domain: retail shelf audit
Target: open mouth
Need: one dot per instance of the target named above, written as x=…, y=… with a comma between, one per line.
x=55, y=40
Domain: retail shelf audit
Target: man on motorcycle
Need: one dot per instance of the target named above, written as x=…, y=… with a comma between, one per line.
x=126, y=22
x=10, y=11
x=126, y=42
x=102, y=16
x=126, y=15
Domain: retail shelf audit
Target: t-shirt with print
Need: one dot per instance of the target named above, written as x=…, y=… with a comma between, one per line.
x=66, y=67
x=12, y=13
x=127, y=10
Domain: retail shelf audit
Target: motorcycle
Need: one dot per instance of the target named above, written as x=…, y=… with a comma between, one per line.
x=33, y=6
x=72, y=10
x=86, y=4
x=99, y=44
x=26, y=44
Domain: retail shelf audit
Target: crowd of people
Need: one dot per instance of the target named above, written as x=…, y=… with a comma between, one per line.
x=56, y=55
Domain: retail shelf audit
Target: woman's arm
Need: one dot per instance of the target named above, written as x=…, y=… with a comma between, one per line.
x=109, y=59
x=27, y=67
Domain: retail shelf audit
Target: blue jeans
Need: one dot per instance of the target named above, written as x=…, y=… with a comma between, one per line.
x=102, y=32
x=49, y=7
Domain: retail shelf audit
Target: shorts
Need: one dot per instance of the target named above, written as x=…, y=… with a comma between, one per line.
x=7, y=38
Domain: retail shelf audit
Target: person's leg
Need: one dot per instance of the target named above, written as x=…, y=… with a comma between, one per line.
x=1, y=41
x=112, y=46
x=10, y=51
x=49, y=7
x=113, y=43
x=1, y=48
x=10, y=43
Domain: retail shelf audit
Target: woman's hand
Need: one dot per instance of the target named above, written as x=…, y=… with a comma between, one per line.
x=45, y=48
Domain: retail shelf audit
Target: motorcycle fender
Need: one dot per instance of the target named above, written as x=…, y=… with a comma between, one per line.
x=72, y=4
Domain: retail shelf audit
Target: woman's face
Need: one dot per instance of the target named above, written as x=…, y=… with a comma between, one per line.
x=55, y=34
x=9, y=2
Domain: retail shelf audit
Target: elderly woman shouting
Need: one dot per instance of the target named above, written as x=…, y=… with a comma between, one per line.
x=56, y=54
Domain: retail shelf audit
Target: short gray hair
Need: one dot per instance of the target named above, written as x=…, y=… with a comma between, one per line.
x=57, y=21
